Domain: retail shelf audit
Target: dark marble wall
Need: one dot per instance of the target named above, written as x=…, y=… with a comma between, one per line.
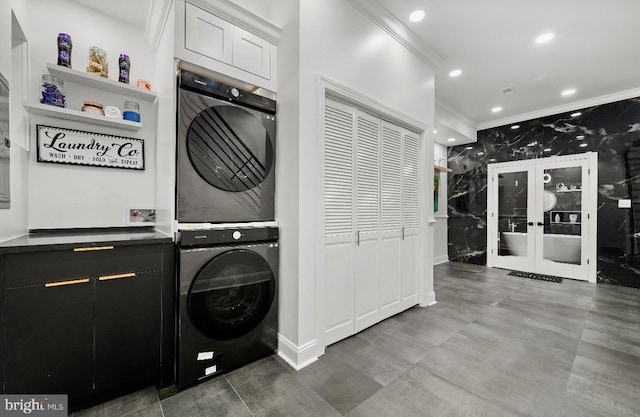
x=612, y=130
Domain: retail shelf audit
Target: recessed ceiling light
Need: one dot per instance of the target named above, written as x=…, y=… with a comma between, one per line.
x=435, y=131
x=576, y=114
x=547, y=149
x=583, y=145
x=514, y=127
x=580, y=137
x=416, y=15
x=451, y=140
x=568, y=92
x=492, y=159
x=455, y=73
x=496, y=109
x=480, y=153
x=545, y=37
x=469, y=147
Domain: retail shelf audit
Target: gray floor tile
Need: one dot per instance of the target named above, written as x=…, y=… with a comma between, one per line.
x=215, y=397
x=122, y=406
x=419, y=393
x=269, y=389
x=341, y=385
x=493, y=345
x=378, y=364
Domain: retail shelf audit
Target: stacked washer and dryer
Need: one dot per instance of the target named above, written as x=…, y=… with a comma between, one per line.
x=227, y=239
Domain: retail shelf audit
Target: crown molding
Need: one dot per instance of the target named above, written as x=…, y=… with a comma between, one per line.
x=240, y=17
x=576, y=105
x=157, y=19
x=381, y=17
x=455, y=111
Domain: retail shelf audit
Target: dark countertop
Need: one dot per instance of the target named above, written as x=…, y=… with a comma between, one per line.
x=68, y=240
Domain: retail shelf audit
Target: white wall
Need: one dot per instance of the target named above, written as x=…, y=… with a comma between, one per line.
x=440, y=251
x=65, y=196
x=166, y=137
x=338, y=42
x=13, y=222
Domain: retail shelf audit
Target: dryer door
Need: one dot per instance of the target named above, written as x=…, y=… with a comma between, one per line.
x=231, y=294
x=229, y=148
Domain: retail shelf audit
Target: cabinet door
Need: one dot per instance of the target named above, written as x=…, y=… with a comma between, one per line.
x=208, y=35
x=338, y=220
x=49, y=338
x=410, y=218
x=251, y=53
x=127, y=327
x=367, y=168
x=391, y=219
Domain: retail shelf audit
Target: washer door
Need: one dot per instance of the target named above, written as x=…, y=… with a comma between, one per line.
x=231, y=294
x=229, y=148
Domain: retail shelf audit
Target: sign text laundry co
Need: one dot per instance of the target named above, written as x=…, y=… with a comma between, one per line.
x=68, y=146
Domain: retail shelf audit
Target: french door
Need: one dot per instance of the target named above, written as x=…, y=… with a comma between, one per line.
x=541, y=216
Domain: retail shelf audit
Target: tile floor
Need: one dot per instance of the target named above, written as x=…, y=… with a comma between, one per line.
x=494, y=345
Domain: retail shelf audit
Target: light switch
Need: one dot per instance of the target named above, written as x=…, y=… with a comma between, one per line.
x=624, y=203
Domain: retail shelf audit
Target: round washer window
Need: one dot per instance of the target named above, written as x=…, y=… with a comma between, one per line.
x=229, y=148
x=231, y=294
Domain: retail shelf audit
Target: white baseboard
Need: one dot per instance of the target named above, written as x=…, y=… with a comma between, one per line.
x=431, y=299
x=297, y=356
x=440, y=259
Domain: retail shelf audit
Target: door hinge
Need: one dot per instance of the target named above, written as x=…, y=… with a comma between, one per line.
x=588, y=171
x=587, y=262
x=588, y=216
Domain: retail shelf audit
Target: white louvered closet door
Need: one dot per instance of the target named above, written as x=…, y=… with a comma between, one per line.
x=391, y=220
x=410, y=247
x=367, y=202
x=339, y=227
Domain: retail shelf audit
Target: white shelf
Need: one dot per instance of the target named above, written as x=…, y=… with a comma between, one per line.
x=569, y=191
x=95, y=81
x=438, y=168
x=79, y=116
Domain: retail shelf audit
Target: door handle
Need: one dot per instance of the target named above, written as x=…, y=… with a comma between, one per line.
x=540, y=224
x=358, y=238
x=530, y=224
x=117, y=276
x=65, y=283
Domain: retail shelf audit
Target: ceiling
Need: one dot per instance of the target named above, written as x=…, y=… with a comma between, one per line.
x=594, y=51
x=134, y=12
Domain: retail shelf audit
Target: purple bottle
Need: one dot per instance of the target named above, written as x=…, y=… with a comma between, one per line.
x=125, y=65
x=64, y=50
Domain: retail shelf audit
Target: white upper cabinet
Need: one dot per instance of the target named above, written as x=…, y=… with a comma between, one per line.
x=208, y=35
x=245, y=49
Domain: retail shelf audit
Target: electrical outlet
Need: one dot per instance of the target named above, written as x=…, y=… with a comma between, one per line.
x=142, y=215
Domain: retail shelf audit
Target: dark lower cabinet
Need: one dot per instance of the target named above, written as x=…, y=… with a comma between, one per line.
x=49, y=339
x=127, y=329
x=87, y=323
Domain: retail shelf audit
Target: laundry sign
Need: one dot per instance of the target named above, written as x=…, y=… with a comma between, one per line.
x=68, y=146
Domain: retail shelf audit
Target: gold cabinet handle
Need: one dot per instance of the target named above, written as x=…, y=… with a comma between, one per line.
x=92, y=248
x=69, y=282
x=117, y=276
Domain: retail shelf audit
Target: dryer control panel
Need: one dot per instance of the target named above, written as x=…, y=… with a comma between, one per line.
x=211, y=237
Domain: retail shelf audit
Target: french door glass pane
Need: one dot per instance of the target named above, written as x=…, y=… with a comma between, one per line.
x=562, y=206
x=512, y=213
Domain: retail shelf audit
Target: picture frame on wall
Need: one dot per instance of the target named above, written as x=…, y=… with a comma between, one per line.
x=76, y=147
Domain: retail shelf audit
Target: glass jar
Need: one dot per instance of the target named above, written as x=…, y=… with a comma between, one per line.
x=98, y=62
x=131, y=111
x=52, y=91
